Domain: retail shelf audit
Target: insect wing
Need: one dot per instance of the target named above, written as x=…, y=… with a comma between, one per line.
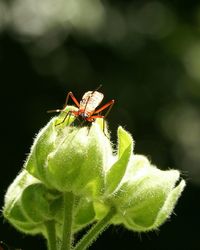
x=91, y=100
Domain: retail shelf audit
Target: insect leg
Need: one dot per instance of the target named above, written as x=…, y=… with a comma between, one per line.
x=70, y=94
x=68, y=114
x=54, y=111
x=91, y=118
x=110, y=105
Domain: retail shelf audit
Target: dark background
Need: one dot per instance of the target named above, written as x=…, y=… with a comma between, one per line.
x=147, y=56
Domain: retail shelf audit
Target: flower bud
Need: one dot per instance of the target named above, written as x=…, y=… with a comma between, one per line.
x=69, y=158
x=146, y=196
x=117, y=170
x=29, y=204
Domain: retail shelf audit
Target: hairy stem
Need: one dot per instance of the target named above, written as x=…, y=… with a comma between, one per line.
x=95, y=231
x=67, y=221
x=51, y=235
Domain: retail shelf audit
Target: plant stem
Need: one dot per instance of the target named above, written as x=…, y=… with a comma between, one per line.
x=67, y=221
x=51, y=235
x=95, y=231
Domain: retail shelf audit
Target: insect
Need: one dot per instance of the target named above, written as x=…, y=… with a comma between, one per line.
x=87, y=107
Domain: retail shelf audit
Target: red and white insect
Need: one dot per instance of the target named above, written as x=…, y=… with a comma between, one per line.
x=87, y=107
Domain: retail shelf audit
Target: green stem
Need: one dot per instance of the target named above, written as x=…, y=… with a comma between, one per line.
x=95, y=231
x=67, y=221
x=51, y=235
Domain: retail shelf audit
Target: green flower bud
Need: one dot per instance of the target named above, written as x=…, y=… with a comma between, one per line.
x=143, y=195
x=146, y=196
x=29, y=204
x=115, y=172
x=69, y=158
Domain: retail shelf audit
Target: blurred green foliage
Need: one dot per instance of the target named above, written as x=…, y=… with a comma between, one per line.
x=145, y=53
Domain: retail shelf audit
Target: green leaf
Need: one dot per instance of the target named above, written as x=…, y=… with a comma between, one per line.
x=118, y=169
x=14, y=210
x=169, y=204
x=124, y=141
x=85, y=213
x=42, y=146
x=37, y=202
